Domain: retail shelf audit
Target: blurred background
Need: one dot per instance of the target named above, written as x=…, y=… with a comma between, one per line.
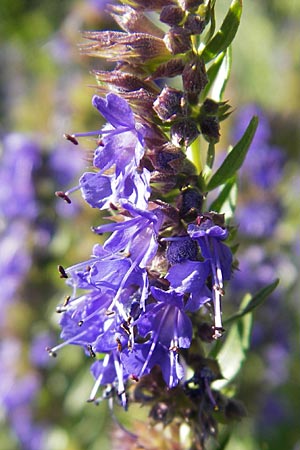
x=45, y=91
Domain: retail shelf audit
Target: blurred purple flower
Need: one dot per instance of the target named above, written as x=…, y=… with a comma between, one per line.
x=258, y=218
x=21, y=156
x=15, y=262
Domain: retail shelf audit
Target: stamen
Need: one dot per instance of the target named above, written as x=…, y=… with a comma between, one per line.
x=62, y=272
x=51, y=352
x=99, y=379
x=119, y=345
x=71, y=138
x=64, y=196
x=91, y=351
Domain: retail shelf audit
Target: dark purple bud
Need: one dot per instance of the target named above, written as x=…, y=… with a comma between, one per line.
x=180, y=249
x=210, y=107
x=210, y=128
x=190, y=202
x=129, y=47
x=184, y=132
x=168, y=158
x=172, y=15
x=178, y=40
x=122, y=80
x=170, y=69
x=169, y=104
x=194, y=24
x=194, y=76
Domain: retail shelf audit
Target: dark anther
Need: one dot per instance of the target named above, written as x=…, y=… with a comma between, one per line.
x=66, y=301
x=119, y=345
x=134, y=377
x=63, y=195
x=91, y=351
x=51, y=352
x=218, y=289
x=80, y=323
x=71, y=138
x=62, y=272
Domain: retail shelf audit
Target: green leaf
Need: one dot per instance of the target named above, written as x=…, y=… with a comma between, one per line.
x=223, y=196
x=222, y=77
x=235, y=158
x=233, y=352
x=212, y=73
x=254, y=301
x=223, y=38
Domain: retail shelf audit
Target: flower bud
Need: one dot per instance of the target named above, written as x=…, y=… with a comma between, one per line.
x=169, y=104
x=190, y=202
x=129, y=47
x=194, y=77
x=194, y=24
x=172, y=15
x=180, y=249
x=178, y=40
x=210, y=128
x=184, y=132
x=169, y=69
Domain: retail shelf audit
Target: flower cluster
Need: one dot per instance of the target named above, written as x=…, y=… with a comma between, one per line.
x=137, y=305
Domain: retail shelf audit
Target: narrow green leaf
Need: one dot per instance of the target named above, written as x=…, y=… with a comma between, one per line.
x=212, y=73
x=222, y=77
x=254, y=301
x=223, y=196
x=233, y=352
x=223, y=38
x=235, y=158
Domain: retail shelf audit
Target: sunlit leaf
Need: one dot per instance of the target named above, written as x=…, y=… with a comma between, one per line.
x=235, y=158
x=255, y=301
x=223, y=38
x=233, y=352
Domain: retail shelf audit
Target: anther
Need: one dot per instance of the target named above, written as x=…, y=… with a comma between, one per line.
x=219, y=289
x=80, y=323
x=134, y=377
x=64, y=196
x=218, y=332
x=119, y=345
x=51, y=352
x=91, y=351
x=62, y=272
x=66, y=301
x=71, y=138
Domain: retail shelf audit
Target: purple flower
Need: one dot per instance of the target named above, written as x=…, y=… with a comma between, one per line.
x=190, y=277
x=136, y=235
x=166, y=328
x=258, y=218
x=264, y=162
x=19, y=160
x=117, y=158
x=15, y=262
x=209, y=237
